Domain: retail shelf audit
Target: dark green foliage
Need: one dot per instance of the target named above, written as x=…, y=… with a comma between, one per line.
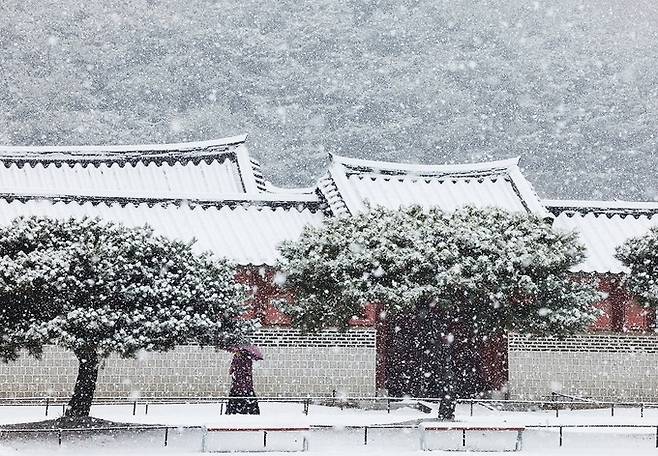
x=488, y=269
x=640, y=255
x=98, y=288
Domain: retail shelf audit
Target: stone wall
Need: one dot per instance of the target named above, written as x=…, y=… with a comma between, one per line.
x=294, y=365
x=600, y=366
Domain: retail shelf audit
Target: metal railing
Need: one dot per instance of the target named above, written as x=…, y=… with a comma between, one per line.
x=561, y=428
x=62, y=432
x=340, y=401
x=561, y=405
x=220, y=401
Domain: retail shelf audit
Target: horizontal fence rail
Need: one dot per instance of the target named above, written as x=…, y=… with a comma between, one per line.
x=462, y=427
x=61, y=432
x=338, y=400
x=561, y=428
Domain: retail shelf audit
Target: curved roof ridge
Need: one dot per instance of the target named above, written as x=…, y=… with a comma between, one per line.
x=422, y=168
x=113, y=152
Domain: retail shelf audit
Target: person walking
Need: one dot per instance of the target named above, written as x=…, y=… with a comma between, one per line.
x=242, y=399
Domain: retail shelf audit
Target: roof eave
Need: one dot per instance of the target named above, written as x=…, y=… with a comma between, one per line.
x=637, y=208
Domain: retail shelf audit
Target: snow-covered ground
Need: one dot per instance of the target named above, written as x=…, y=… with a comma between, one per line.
x=339, y=439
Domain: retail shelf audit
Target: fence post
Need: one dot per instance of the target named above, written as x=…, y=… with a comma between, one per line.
x=612, y=409
x=656, y=436
x=59, y=437
x=221, y=408
x=146, y=409
x=560, y=435
x=471, y=402
x=642, y=410
x=518, y=446
x=388, y=405
x=63, y=409
x=264, y=439
x=464, y=437
x=365, y=435
x=134, y=408
x=166, y=436
x=204, y=438
x=557, y=411
x=47, y=405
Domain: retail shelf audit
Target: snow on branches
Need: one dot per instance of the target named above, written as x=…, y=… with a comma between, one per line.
x=97, y=287
x=640, y=254
x=486, y=268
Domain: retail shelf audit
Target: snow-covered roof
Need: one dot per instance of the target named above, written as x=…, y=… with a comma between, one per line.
x=247, y=233
x=350, y=183
x=211, y=191
x=185, y=170
x=603, y=225
x=214, y=192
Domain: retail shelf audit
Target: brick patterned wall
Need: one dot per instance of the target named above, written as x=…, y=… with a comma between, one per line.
x=294, y=365
x=600, y=366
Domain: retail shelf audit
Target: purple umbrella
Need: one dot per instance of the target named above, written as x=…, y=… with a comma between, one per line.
x=251, y=351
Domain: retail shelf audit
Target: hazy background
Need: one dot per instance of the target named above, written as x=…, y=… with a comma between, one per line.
x=571, y=86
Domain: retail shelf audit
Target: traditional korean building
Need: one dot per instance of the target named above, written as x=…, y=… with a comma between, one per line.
x=351, y=184
x=214, y=193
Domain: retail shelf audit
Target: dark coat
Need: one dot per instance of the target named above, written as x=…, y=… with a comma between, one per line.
x=243, y=398
x=242, y=375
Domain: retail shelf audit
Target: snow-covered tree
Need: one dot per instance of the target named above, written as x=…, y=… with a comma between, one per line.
x=469, y=273
x=640, y=254
x=98, y=288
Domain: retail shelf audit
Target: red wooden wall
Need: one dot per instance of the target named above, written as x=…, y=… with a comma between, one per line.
x=265, y=291
x=622, y=313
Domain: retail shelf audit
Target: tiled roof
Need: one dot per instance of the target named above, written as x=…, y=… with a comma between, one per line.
x=603, y=225
x=214, y=192
x=351, y=183
x=247, y=234
x=187, y=170
x=211, y=191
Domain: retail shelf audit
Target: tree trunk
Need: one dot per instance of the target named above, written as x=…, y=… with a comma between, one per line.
x=422, y=359
x=85, y=386
x=448, y=383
